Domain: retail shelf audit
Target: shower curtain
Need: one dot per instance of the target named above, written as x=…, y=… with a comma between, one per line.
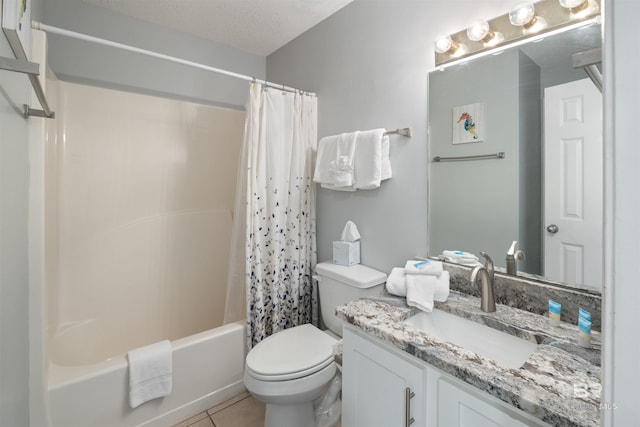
x=273, y=250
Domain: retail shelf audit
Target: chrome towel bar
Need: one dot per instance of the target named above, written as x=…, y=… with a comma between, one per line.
x=499, y=155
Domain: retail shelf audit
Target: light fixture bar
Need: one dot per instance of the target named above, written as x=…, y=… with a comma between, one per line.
x=502, y=48
x=554, y=16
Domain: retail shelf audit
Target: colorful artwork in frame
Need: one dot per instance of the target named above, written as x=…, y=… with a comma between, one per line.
x=468, y=123
x=16, y=24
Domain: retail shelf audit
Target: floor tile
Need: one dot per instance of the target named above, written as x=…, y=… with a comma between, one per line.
x=199, y=420
x=205, y=422
x=248, y=412
x=229, y=402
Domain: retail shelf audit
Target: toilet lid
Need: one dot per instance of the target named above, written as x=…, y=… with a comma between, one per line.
x=292, y=353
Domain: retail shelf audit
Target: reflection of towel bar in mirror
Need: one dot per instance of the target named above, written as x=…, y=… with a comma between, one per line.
x=499, y=155
x=403, y=132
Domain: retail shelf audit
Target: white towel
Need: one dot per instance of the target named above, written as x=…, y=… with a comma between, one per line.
x=396, y=282
x=343, y=167
x=150, y=372
x=352, y=161
x=327, y=150
x=425, y=267
x=423, y=289
x=335, y=160
x=368, y=158
x=460, y=257
x=420, y=291
x=386, y=161
x=442, y=287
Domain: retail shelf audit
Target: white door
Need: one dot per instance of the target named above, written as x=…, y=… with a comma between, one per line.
x=573, y=183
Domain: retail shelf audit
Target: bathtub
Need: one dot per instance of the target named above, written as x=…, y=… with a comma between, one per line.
x=207, y=370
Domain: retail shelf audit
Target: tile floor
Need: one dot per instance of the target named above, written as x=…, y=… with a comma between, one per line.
x=240, y=411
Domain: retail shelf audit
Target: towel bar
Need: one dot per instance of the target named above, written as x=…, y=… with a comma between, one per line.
x=403, y=132
x=499, y=155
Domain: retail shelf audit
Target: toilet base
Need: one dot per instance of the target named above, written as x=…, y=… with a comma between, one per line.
x=298, y=415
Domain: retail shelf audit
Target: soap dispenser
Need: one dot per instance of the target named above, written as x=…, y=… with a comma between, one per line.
x=513, y=256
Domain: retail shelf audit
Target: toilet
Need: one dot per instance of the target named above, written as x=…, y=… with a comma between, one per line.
x=290, y=369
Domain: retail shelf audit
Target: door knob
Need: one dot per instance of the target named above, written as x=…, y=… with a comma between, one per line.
x=553, y=229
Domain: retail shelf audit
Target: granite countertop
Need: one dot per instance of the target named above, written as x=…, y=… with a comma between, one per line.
x=558, y=384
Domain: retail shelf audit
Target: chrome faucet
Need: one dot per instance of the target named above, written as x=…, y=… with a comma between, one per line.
x=513, y=256
x=487, y=295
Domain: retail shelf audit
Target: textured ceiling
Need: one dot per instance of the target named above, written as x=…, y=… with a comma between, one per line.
x=255, y=26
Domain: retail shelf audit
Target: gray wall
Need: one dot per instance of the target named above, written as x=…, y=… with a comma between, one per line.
x=369, y=64
x=14, y=274
x=88, y=63
x=530, y=166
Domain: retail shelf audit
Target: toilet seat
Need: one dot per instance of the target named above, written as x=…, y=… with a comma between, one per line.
x=293, y=353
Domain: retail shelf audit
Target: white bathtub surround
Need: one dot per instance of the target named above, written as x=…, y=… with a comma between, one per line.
x=139, y=195
x=150, y=372
x=279, y=145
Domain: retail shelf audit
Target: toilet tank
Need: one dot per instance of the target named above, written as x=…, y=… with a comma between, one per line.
x=340, y=284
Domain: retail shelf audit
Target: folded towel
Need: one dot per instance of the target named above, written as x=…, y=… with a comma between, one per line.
x=460, y=257
x=343, y=166
x=150, y=372
x=352, y=161
x=423, y=290
x=386, y=172
x=333, y=187
x=327, y=151
x=420, y=291
x=442, y=287
x=368, y=159
x=335, y=160
x=428, y=267
x=396, y=282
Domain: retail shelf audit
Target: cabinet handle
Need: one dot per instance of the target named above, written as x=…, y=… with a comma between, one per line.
x=408, y=395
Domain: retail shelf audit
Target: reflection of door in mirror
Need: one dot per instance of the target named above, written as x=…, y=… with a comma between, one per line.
x=573, y=183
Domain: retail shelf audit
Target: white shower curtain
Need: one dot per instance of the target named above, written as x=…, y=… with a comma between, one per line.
x=274, y=249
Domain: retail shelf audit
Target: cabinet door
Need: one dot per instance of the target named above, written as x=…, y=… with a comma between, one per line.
x=375, y=383
x=459, y=408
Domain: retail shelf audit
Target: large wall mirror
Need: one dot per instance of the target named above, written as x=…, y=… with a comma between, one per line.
x=532, y=103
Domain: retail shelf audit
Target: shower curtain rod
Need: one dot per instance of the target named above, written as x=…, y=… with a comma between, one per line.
x=62, y=32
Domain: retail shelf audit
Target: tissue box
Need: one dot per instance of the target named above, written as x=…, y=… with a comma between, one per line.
x=346, y=253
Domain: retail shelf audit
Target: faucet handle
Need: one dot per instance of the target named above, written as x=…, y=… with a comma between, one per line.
x=488, y=264
x=489, y=261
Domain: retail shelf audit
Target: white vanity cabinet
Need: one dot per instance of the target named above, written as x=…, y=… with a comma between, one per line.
x=380, y=387
x=458, y=407
x=375, y=380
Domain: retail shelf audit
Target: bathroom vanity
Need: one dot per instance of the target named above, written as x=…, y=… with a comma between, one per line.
x=398, y=367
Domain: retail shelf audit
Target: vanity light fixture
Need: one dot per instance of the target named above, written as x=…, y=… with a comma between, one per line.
x=525, y=21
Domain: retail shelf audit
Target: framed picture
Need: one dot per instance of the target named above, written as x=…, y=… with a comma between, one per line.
x=468, y=123
x=16, y=24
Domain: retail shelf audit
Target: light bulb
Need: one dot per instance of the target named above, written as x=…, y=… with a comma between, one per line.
x=479, y=30
x=522, y=14
x=444, y=44
x=570, y=4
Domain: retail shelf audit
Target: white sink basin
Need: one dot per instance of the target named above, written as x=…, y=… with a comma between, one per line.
x=507, y=350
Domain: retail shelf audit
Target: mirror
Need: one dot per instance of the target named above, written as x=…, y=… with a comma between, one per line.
x=520, y=102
